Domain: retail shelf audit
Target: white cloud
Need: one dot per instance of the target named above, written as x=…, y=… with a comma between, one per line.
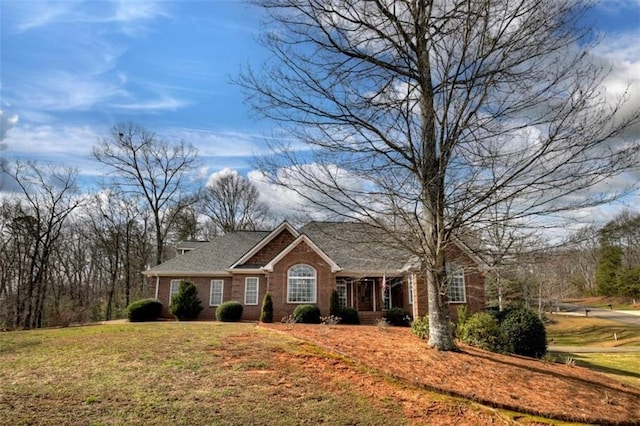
x=621, y=51
x=34, y=14
x=68, y=145
x=162, y=104
x=65, y=91
x=7, y=122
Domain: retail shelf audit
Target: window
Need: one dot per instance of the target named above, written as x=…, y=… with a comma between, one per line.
x=455, y=284
x=173, y=288
x=410, y=285
x=301, y=284
x=217, y=288
x=251, y=291
x=341, y=288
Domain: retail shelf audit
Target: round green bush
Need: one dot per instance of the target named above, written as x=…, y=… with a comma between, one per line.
x=397, y=317
x=185, y=304
x=525, y=332
x=144, y=310
x=307, y=314
x=483, y=331
x=229, y=312
x=266, y=313
x=349, y=316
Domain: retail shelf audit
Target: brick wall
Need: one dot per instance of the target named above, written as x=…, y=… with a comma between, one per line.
x=325, y=280
x=203, y=284
x=272, y=249
x=474, y=286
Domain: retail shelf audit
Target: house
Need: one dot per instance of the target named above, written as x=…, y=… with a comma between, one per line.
x=300, y=266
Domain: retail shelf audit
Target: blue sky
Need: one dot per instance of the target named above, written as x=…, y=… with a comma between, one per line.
x=71, y=69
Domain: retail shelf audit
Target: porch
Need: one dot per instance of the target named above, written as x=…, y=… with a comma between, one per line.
x=370, y=296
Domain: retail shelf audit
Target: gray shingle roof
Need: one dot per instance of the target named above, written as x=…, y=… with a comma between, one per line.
x=356, y=247
x=215, y=256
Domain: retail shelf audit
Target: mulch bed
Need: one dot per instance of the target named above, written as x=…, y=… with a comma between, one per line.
x=517, y=383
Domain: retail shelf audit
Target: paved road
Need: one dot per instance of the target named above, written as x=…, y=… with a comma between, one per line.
x=618, y=316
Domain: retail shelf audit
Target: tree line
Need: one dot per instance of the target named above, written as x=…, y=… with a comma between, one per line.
x=70, y=256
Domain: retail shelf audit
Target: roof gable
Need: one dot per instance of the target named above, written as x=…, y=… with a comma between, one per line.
x=302, y=239
x=283, y=227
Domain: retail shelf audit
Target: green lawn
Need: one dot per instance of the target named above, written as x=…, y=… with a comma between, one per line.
x=597, y=332
x=170, y=373
x=622, y=366
x=590, y=331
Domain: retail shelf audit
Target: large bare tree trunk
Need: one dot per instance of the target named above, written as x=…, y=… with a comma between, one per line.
x=423, y=117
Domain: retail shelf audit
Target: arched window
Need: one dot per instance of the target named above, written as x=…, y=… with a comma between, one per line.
x=456, y=292
x=301, y=284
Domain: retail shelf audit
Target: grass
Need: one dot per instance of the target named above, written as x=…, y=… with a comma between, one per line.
x=590, y=331
x=598, y=332
x=622, y=366
x=170, y=373
x=186, y=374
x=206, y=373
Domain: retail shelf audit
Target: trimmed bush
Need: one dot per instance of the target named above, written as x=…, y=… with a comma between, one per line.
x=266, y=313
x=483, y=331
x=349, y=316
x=420, y=327
x=230, y=312
x=185, y=304
x=397, y=317
x=307, y=314
x=334, y=304
x=525, y=332
x=144, y=310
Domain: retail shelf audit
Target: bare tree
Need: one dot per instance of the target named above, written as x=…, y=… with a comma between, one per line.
x=118, y=226
x=421, y=115
x=145, y=165
x=42, y=207
x=233, y=203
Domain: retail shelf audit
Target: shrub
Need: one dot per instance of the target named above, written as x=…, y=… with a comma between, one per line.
x=349, y=316
x=229, y=311
x=334, y=304
x=397, y=317
x=420, y=327
x=185, y=304
x=462, y=319
x=307, y=314
x=483, y=331
x=525, y=332
x=144, y=310
x=266, y=313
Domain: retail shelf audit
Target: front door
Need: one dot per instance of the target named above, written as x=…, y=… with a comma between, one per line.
x=365, y=295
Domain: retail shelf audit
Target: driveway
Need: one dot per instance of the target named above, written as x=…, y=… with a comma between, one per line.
x=623, y=317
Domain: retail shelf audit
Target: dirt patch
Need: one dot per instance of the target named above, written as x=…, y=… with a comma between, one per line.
x=522, y=384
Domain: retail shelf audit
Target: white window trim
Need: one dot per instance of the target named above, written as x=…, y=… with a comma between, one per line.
x=314, y=293
x=410, y=283
x=173, y=283
x=211, y=292
x=454, y=270
x=246, y=285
